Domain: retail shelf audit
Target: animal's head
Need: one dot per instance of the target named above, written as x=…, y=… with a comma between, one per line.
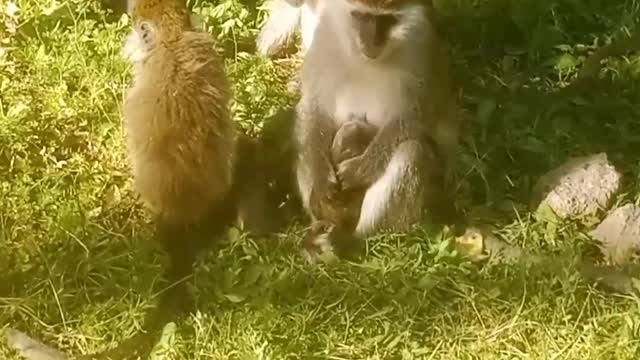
x=151, y=21
x=378, y=29
x=168, y=16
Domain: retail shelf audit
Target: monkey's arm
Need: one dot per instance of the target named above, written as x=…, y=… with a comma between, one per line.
x=363, y=170
x=316, y=146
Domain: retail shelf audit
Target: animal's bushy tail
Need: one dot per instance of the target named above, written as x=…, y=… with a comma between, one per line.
x=183, y=243
x=280, y=28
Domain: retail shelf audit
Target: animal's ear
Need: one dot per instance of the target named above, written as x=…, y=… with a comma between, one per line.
x=147, y=32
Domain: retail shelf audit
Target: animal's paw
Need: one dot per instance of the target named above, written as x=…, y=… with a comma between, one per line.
x=328, y=243
x=334, y=187
x=349, y=173
x=317, y=243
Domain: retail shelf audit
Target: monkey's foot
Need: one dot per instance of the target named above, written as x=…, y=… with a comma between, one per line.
x=326, y=242
x=317, y=243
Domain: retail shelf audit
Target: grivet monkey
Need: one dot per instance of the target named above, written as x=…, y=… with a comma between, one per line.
x=383, y=59
x=285, y=18
x=182, y=148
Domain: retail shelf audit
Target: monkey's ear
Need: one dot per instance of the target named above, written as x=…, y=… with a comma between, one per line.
x=146, y=31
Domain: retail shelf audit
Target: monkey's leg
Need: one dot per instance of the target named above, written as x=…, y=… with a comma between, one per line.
x=305, y=183
x=397, y=200
x=314, y=133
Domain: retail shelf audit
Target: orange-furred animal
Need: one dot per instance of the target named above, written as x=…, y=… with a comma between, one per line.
x=182, y=148
x=180, y=135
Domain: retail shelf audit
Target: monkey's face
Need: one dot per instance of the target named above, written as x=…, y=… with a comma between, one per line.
x=379, y=32
x=372, y=31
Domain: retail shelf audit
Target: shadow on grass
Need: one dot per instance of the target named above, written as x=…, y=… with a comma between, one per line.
x=406, y=285
x=511, y=59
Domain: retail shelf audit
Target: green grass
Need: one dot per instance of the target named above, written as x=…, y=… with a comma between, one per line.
x=78, y=271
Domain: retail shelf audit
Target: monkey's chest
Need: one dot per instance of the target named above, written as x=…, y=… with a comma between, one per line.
x=376, y=101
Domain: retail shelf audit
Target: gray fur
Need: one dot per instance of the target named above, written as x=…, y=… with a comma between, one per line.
x=286, y=17
x=280, y=28
x=406, y=94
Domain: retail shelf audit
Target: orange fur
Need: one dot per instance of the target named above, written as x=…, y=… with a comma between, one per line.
x=182, y=144
x=171, y=16
x=179, y=131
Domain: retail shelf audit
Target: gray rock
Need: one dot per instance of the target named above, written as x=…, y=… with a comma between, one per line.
x=31, y=349
x=619, y=234
x=581, y=186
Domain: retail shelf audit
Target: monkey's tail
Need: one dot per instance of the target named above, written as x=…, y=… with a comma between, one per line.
x=140, y=344
x=280, y=28
x=183, y=243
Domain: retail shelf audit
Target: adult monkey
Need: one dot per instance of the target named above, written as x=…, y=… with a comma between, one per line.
x=381, y=59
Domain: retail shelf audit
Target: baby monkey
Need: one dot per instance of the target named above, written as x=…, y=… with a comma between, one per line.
x=335, y=215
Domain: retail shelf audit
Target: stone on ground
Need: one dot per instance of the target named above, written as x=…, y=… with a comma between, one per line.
x=581, y=186
x=619, y=234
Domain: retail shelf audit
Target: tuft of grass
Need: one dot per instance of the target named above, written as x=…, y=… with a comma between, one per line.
x=79, y=272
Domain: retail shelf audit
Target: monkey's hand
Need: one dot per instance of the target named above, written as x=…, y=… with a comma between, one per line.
x=334, y=186
x=350, y=174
